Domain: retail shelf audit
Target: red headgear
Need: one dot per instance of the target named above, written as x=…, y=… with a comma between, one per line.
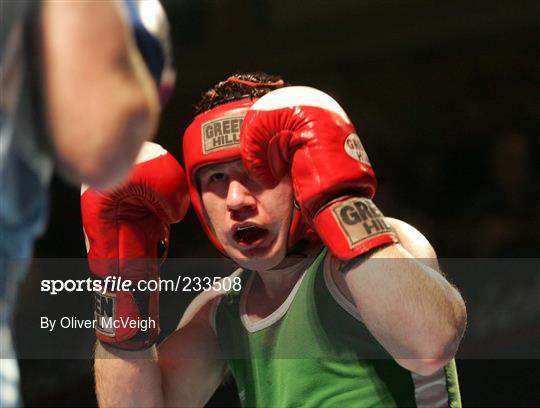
x=213, y=137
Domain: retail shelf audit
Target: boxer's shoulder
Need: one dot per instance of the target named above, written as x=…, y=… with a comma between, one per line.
x=412, y=239
x=203, y=307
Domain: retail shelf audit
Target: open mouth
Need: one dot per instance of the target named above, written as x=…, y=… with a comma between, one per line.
x=249, y=234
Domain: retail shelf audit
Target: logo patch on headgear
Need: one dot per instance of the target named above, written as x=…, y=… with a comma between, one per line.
x=221, y=133
x=353, y=147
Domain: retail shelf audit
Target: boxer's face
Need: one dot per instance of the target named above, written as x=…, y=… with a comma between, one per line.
x=250, y=221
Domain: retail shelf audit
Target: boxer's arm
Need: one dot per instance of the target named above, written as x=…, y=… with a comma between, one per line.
x=127, y=378
x=190, y=358
x=405, y=302
x=100, y=99
x=186, y=369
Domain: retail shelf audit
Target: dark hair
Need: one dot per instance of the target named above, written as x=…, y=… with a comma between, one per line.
x=239, y=86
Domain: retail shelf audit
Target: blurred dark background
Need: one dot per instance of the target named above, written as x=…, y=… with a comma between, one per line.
x=446, y=98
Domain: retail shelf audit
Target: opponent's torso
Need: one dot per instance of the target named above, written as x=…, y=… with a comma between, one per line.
x=25, y=171
x=25, y=163
x=312, y=352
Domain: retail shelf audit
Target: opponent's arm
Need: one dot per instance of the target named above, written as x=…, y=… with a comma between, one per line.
x=100, y=100
x=405, y=302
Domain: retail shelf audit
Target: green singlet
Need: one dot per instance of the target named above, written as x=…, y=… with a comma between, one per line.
x=314, y=351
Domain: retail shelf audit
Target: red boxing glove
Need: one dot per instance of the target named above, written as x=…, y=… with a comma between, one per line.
x=306, y=132
x=124, y=228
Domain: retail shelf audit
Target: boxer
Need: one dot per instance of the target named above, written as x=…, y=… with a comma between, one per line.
x=338, y=304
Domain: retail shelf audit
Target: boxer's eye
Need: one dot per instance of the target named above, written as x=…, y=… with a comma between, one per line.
x=218, y=177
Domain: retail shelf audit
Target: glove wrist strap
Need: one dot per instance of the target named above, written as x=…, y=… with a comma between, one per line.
x=351, y=226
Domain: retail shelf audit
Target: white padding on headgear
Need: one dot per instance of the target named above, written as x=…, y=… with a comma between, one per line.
x=292, y=96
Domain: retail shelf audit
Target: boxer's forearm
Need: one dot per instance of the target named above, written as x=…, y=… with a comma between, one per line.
x=127, y=378
x=412, y=310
